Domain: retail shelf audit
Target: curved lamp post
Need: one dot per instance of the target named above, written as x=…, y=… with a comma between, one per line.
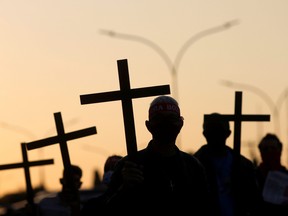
x=172, y=65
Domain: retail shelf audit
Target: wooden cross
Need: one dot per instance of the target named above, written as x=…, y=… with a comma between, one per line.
x=62, y=139
x=238, y=118
x=125, y=95
x=26, y=165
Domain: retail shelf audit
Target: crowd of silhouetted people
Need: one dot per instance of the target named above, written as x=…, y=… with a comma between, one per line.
x=215, y=180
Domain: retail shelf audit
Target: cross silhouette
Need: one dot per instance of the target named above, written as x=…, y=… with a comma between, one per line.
x=62, y=139
x=125, y=94
x=26, y=164
x=238, y=117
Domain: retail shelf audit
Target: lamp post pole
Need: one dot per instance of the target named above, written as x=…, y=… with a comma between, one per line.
x=172, y=65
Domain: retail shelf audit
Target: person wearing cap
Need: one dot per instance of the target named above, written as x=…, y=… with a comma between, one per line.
x=159, y=178
x=232, y=182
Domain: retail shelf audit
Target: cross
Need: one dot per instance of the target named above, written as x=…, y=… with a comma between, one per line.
x=26, y=165
x=62, y=139
x=125, y=94
x=238, y=118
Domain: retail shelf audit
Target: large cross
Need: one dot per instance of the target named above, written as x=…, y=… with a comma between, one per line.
x=238, y=117
x=125, y=94
x=62, y=139
x=26, y=165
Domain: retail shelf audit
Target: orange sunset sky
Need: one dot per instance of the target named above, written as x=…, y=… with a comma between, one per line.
x=54, y=51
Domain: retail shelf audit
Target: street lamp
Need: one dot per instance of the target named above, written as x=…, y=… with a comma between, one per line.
x=173, y=66
x=274, y=107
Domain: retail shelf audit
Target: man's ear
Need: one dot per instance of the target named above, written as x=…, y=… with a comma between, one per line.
x=228, y=133
x=148, y=125
x=204, y=133
x=182, y=121
x=61, y=181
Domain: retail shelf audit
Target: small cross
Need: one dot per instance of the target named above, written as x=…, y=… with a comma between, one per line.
x=62, y=139
x=26, y=165
x=125, y=95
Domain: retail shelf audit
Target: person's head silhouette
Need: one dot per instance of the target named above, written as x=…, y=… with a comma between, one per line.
x=270, y=150
x=165, y=120
x=216, y=130
x=76, y=173
x=109, y=167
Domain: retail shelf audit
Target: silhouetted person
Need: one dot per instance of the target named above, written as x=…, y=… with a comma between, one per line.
x=270, y=148
x=62, y=202
x=234, y=188
x=109, y=167
x=95, y=204
x=159, y=178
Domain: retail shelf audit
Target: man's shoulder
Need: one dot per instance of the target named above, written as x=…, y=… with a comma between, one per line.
x=203, y=150
x=187, y=155
x=190, y=158
x=49, y=200
x=246, y=161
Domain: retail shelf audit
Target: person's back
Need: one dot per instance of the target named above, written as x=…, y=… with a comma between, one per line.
x=52, y=205
x=160, y=178
x=233, y=186
x=270, y=148
x=62, y=202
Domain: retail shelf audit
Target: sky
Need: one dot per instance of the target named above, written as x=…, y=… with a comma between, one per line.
x=54, y=51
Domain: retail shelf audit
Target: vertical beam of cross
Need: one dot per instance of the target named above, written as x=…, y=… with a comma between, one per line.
x=126, y=94
x=26, y=164
x=30, y=192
